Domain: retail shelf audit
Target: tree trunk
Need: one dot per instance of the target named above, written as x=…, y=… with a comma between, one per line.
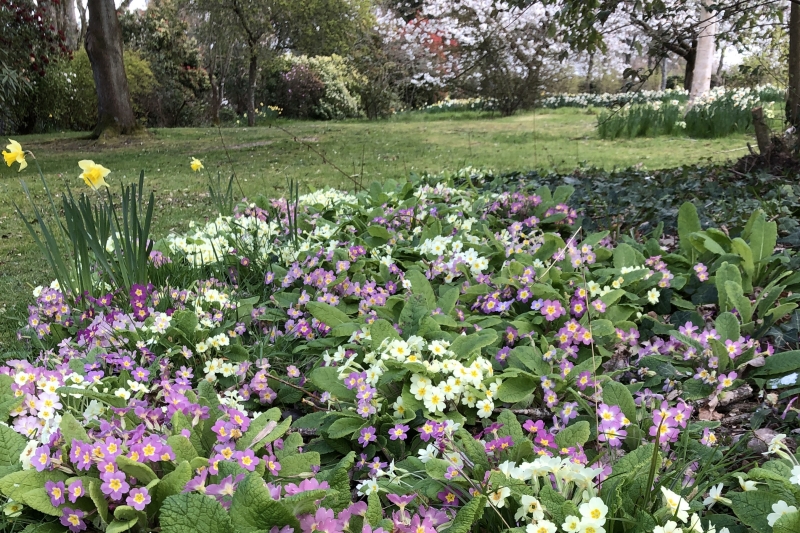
x=704, y=61
x=762, y=131
x=104, y=48
x=82, y=13
x=793, y=93
x=252, y=76
x=589, y=69
x=664, y=71
x=688, y=73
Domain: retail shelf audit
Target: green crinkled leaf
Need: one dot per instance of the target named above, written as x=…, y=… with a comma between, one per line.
x=194, y=513
x=118, y=526
x=15, y=485
x=780, y=363
x=381, y=330
x=602, y=328
x=727, y=325
x=326, y=378
x=518, y=388
x=329, y=315
x=464, y=345
x=531, y=358
x=688, y=223
x=788, y=523
x=48, y=527
x=253, y=507
x=344, y=427
x=374, y=510
x=421, y=286
x=574, y=434
x=140, y=471
x=299, y=463
x=258, y=428
x=752, y=508
x=338, y=479
x=11, y=446
x=109, y=399
x=467, y=516
x=615, y=393
x=171, y=484
x=182, y=447
x=763, y=238
x=39, y=499
x=304, y=502
x=95, y=493
x=72, y=429
x=511, y=426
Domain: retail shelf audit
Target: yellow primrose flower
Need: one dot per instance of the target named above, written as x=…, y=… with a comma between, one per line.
x=14, y=154
x=196, y=164
x=93, y=174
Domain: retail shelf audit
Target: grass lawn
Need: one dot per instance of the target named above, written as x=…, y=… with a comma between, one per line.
x=263, y=158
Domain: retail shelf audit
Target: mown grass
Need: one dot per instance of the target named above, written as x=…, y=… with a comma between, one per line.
x=265, y=157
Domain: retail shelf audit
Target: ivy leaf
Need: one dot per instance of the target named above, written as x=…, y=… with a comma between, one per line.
x=252, y=507
x=194, y=513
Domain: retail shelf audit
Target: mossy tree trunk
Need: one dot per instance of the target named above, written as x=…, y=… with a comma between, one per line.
x=104, y=48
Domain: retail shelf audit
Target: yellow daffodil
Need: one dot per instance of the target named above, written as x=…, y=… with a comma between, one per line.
x=196, y=164
x=14, y=154
x=93, y=174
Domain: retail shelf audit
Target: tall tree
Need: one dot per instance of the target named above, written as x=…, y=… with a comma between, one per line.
x=104, y=48
x=704, y=61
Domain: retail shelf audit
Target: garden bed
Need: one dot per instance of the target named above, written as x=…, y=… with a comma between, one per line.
x=448, y=353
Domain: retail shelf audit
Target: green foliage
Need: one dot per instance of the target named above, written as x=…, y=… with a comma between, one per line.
x=160, y=35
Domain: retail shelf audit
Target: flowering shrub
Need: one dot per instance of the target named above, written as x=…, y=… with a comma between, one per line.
x=417, y=357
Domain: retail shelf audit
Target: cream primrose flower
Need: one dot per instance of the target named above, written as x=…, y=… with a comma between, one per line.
x=714, y=496
x=572, y=524
x=670, y=527
x=747, y=485
x=529, y=506
x=594, y=510
x=678, y=507
x=778, y=510
x=652, y=296
x=497, y=498
x=541, y=526
x=795, y=479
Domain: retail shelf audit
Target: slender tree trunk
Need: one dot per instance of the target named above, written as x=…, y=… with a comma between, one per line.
x=589, y=69
x=664, y=71
x=704, y=61
x=104, y=48
x=252, y=75
x=82, y=14
x=689, y=72
x=793, y=96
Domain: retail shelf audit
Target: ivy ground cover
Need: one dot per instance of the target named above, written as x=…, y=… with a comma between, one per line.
x=422, y=356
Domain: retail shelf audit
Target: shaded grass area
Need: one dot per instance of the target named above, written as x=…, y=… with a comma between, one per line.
x=265, y=157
